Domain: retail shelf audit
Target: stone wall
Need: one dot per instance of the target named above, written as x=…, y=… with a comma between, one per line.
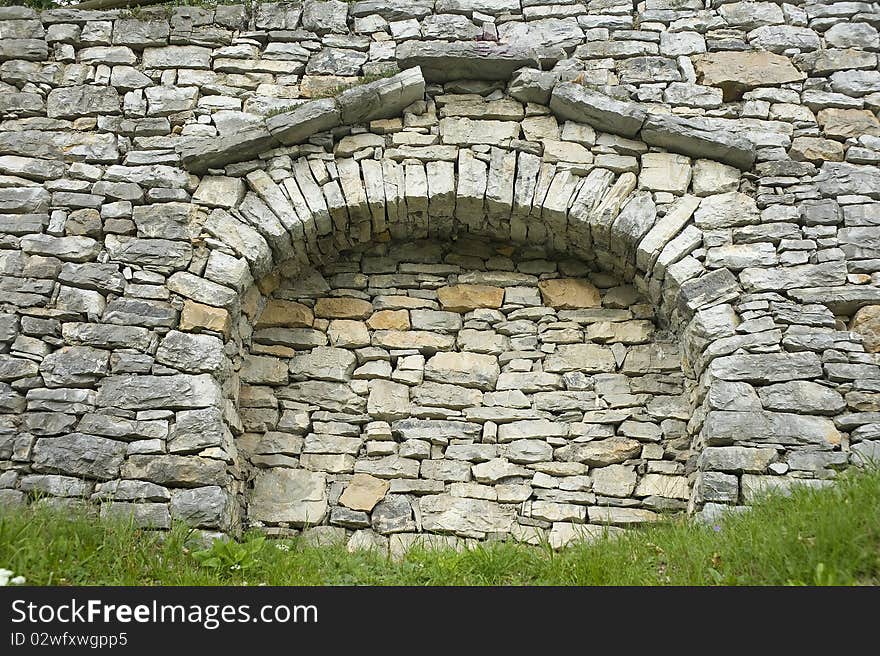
x=165, y=175
x=503, y=387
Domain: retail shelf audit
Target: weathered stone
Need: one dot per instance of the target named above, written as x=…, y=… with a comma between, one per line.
x=291, y=496
x=426, y=342
x=195, y=430
x=364, y=492
x=569, y=293
x=737, y=459
x=601, y=452
x=801, y=396
x=699, y=140
x=621, y=516
x=86, y=100
x=614, y=480
x=464, y=517
x=205, y=507
x=343, y=308
x=737, y=72
x=388, y=400
x=461, y=60
x=464, y=298
x=196, y=317
x=659, y=485
x=844, y=124
x=166, y=392
x=191, y=353
x=867, y=322
x=323, y=363
x=79, y=455
x=286, y=314
x=723, y=427
x=587, y=358
x=465, y=369
x=540, y=429
x=575, y=102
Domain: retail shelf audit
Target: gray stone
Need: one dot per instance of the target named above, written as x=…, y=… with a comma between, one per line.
x=166, y=392
x=323, y=363
x=465, y=369
x=802, y=396
x=455, y=60
x=332, y=396
x=737, y=459
x=86, y=100
x=200, y=154
x=767, y=368
x=588, y=358
x=435, y=431
x=71, y=249
x=723, y=427
x=291, y=496
x=195, y=430
x=393, y=515
x=79, y=455
x=717, y=487
x=532, y=85
x=575, y=102
x=191, y=353
x=699, y=140
x=75, y=366
x=464, y=517
x=204, y=507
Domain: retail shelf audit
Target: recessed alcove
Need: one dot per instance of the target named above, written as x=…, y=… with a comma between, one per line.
x=463, y=387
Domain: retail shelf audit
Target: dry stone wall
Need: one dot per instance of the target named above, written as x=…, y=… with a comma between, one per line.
x=170, y=177
x=489, y=389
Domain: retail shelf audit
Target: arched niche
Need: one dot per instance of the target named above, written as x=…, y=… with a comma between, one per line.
x=465, y=386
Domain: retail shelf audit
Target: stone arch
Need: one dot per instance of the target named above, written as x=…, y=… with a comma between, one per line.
x=297, y=212
x=267, y=197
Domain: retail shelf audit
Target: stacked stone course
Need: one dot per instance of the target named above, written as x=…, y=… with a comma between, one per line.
x=490, y=390
x=204, y=212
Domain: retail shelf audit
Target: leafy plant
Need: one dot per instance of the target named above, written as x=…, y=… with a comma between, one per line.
x=231, y=556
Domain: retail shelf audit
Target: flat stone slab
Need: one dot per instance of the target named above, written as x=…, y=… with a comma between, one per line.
x=464, y=60
x=575, y=102
x=689, y=137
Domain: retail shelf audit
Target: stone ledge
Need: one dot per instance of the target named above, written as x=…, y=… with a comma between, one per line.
x=383, y=98
x=689, y=137
x=443, y=60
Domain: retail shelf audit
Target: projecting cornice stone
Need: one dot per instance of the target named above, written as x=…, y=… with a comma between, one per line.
x=389, y=97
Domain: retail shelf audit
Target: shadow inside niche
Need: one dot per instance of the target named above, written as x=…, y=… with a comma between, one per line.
x=469, y=388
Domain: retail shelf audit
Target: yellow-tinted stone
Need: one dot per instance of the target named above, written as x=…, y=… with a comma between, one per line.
x=346, y=333
x=867, y=323
x=735, y=72
x=846, y=123
x=569, y=293
x=317, y=86
x=251, y=301
x=196, y=317
x=343, y=307
x=464, y=298
x=389, y=320
x=364, y=492
x=285, y=314
x=270, y=282
x=816, y=150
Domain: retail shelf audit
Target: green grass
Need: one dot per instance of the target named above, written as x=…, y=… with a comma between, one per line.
x=828, y=537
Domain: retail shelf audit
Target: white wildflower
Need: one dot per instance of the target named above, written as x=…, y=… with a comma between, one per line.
x=6, y=578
